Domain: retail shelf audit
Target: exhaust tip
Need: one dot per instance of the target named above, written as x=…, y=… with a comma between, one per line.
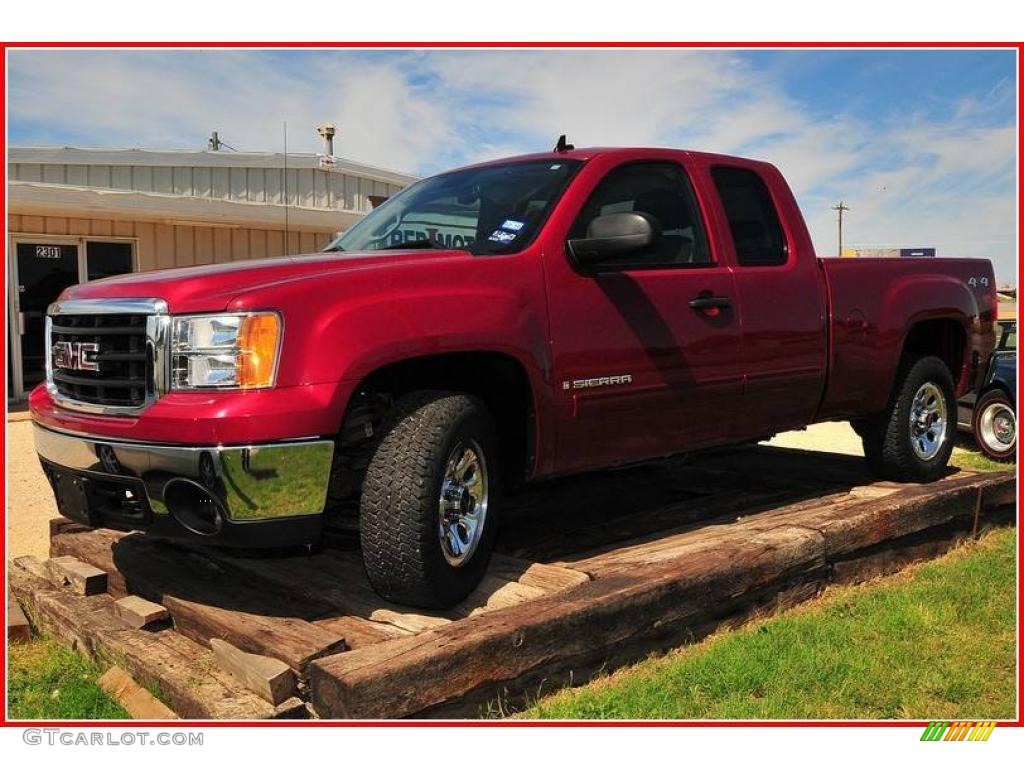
x=193, y=506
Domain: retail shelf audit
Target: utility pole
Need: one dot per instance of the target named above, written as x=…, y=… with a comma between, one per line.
x=840, y=208
x=214, y=143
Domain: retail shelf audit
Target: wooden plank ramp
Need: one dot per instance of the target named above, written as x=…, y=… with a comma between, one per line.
x=590, y=573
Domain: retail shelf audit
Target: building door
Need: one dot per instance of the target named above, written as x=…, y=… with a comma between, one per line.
x=44, y=270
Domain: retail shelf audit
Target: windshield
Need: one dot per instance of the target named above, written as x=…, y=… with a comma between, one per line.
x=489, y=210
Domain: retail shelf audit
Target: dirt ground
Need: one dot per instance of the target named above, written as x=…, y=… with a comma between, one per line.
x=830, y=437
x=30, y=502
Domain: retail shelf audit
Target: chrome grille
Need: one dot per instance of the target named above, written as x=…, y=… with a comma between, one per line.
x=124, y=339
x=121, y=359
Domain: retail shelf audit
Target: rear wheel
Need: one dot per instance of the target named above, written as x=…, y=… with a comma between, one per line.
x=994, y=424
x=428, y=512
x=913, y=439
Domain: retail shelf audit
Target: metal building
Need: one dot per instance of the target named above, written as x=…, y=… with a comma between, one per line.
x=81, y=214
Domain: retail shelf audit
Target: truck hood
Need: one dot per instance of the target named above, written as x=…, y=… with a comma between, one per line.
x=213, y=287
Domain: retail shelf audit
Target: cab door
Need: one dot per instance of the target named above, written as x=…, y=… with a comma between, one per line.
x=645, y=347
x=781, y=290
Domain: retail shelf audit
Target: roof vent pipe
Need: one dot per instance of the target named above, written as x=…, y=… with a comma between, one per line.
x=327, y=131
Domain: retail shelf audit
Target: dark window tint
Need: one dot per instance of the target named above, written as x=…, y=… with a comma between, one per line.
x=44, y=270
x=753, y=221
x=1007, y=336
x=106, y=259
x=662, y=191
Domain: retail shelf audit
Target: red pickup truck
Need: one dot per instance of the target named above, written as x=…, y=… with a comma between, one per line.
x=498, y=324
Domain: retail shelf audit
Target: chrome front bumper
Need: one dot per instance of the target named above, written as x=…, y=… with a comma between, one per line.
x=254, y=483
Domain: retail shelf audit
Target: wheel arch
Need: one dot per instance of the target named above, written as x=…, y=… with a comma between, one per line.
x=943, y=336
x=499, y=379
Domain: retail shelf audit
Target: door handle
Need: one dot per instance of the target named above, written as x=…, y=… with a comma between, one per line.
x=21, y=323
x=705, y=302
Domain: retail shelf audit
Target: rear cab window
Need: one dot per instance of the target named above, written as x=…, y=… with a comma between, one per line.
x=753, y=221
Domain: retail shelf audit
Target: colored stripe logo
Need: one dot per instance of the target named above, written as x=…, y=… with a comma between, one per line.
x=961, y=730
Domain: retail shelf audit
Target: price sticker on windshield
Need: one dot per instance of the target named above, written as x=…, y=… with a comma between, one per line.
x=501, y=236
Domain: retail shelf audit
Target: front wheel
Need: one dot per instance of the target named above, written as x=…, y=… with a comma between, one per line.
x=994, y=425
x=913, y=439
x=428, y=512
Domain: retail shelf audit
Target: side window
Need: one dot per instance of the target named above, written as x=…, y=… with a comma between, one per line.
x=753, y=221
x=662, y=191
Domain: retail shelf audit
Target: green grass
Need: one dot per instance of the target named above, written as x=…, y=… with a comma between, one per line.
x=967, y=456
x=979, y=462
x=49, y=681
x=933, y=642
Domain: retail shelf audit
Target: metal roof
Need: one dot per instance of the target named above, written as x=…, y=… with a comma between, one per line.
x=198, y=159
x=35, y=199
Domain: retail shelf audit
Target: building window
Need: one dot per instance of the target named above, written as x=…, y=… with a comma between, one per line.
x=104, y=259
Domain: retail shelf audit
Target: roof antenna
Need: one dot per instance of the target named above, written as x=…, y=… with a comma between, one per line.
x=563, y=145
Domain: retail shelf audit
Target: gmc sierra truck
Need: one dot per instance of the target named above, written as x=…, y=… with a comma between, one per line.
x=487, y=327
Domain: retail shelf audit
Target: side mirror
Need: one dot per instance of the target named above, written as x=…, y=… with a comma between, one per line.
x=614, y=234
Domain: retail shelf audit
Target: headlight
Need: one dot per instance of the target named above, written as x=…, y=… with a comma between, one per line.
x=225, y=351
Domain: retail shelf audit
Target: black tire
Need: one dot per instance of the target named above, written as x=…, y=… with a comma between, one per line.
x=863, y=427
x=991, y=404
x=399, y=514
x=888, y=439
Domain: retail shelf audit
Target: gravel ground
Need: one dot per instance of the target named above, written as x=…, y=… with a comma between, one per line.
x=30, y=502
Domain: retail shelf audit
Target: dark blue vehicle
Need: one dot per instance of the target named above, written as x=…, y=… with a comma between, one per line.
x=990, y=413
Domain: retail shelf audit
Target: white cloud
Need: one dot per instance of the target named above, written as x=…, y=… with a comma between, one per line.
x=909, y=182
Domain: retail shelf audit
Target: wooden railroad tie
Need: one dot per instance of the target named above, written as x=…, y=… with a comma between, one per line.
x=136, y=700
x=83, y=578
x=18, y=628
x=270, y=679
x=138, y=613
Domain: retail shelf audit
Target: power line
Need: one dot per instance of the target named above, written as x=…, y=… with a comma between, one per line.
x=214, y=143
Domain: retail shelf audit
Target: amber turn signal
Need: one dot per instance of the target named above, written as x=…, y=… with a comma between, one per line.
x=258, y=340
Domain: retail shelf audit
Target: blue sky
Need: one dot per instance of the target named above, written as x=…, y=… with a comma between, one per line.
x=920, y=144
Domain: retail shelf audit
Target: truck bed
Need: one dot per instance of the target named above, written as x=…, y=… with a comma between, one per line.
x=872, y=302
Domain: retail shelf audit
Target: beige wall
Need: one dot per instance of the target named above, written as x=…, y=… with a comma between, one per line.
x=174, y=245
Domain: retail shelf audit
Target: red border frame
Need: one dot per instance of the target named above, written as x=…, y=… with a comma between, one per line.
x=171, y=725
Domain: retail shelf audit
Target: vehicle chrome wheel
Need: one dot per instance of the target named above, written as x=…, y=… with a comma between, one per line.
x=929, y=421
x=462, y=507
x=997, y=426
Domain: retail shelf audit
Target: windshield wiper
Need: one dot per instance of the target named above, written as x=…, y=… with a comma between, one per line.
x=423, y=242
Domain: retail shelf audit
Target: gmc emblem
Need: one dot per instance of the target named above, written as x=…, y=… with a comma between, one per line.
x=76, y=355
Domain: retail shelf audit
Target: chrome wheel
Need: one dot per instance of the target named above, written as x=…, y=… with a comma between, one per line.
x=929, y=421
x=997, y=427
x=462, y=508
